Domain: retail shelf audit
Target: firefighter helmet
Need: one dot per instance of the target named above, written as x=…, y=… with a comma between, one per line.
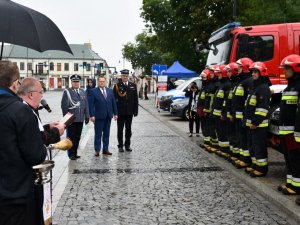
x=245, y=63
x=221, y=69
x=293, y=61
x=205, y=73
x=261, y=67
x=233, y=67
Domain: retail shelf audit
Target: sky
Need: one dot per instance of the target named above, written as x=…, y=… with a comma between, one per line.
x=106, y=24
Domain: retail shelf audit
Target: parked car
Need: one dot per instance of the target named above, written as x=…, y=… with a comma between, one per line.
x=177, y=93
x=179, y=108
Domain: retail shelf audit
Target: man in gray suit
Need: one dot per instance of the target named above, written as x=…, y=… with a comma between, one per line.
x=74, y=100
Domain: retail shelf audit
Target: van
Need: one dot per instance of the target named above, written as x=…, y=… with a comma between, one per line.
x=177, y=93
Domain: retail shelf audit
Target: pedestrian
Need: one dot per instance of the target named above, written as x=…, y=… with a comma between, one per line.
x=287, y=121
x=240, y=93
x=146, y=91
x=21, y=148
x=74, y=100
x=192, y=93
x=31, y=92
x=127, y=103
x=91, y=83
x=102, y=108
x=256, y=120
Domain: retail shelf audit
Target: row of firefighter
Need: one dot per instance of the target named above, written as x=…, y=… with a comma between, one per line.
x=233, y=106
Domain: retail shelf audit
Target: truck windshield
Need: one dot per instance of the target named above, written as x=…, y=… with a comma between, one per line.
x=219, y=53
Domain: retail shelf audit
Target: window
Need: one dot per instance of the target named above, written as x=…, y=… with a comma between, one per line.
x=66, y=65
x=51, y=66
x=29, y=66
x=22, y=66
x=58, y=66
x=259, y=48
x=88, y=67
x=75, y=66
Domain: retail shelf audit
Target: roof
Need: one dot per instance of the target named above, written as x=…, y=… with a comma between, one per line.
x=179, y=71
x=80, y=51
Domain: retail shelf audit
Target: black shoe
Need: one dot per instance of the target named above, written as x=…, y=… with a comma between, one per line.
x=121, y=149
x=73, y=157
x=97, y=154
x=128, y=149
x=106, y=153
x=77, y=156
x=191, y=135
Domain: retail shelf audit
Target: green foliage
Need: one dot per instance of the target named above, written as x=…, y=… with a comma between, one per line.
x=174, y=27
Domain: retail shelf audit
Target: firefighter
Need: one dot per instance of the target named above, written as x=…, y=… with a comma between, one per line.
x=238, y=104
x=218, y=111
x=205, y=74
x=287, y=123
x=232, y=70
x=212, y=86
x=256, y=120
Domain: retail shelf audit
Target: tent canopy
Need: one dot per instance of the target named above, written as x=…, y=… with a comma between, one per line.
x=179, y=71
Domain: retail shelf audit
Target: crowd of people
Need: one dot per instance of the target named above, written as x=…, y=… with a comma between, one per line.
x=233, y=109
x=24, y=137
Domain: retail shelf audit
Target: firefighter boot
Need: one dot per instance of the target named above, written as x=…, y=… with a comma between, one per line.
x=256, y=173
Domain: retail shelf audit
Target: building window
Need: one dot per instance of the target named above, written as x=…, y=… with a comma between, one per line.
x=51, y=66
x=88, y=67
x=22, y=66
x=66, y=65
x=75, y=66
x=29, y=66
x=58, y=66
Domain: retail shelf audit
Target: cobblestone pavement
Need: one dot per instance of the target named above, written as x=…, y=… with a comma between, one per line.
x=167, y=179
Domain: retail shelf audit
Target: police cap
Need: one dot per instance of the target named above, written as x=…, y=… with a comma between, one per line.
x=124, y=72
x=75, y=77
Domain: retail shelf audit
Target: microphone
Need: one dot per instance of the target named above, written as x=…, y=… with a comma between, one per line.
x=45, y=105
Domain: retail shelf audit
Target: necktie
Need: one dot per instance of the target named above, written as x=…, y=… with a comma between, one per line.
x=103, y=92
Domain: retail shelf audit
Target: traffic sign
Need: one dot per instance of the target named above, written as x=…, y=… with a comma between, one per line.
x=158, y=69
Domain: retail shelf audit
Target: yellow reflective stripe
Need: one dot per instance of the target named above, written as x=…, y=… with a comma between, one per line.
x=283, y=130
x=287, y=97
x=295, y=183
x=246, y=153
x=263, y=125
x=289, y=179
x=239, y=92
x=235, y=150
x=262, y=162
x=217, y=112
x=206, y=138
x=297, y=136
x=253, y=100
x=230, y=95
x=224, y=144
x=207, y=110
x=220, y=94
x=261, y=112
x=202, y=96
x=239, y=115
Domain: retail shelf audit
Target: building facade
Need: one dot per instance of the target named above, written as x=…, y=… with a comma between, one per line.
x=54, y=68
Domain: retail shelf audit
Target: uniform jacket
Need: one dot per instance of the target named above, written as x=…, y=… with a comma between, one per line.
x=126, y=98
x=21, y=148
x=288, y=106
x=201, y=97
x=100, y=107
x=210, y=91
x=240, y=94
x=257, y=104
x=228, y=100
x=75, y=104
x=218, y=107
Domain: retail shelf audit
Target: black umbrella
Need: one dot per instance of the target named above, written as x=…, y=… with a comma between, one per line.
x=23, y=26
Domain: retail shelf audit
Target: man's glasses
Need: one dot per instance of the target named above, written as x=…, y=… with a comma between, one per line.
x=41, y=92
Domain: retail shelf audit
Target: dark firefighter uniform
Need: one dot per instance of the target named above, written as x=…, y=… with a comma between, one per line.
x=240, y=94
x=256, y=111
x=127, y=102
x=218, y=111
x=209, y=97
x=287, y=123
x=200, y=108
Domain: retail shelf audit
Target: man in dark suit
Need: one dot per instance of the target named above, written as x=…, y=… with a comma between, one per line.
x=74, y=100
x=103, y=108
x=127, y=102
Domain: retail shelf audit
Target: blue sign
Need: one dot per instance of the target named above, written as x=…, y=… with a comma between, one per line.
x=158, y=69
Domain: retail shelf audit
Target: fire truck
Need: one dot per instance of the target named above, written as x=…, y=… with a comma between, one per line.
x=265, y=43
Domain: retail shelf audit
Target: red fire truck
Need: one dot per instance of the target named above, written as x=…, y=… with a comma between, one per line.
x=265, y=43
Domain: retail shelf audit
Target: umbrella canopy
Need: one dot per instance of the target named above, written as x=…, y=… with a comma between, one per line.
x=23, y=26
x=179, y=71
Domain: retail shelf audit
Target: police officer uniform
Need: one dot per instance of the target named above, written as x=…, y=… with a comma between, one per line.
x=75, y=101
x=127, y=103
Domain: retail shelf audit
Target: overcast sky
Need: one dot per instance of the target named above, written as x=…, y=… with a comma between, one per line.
x=107, y=24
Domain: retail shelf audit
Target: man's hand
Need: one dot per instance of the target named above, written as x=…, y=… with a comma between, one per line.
x=92, y=119
x=115, y=117
x=87, y=120
x=253, y=127
x=61, y=128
